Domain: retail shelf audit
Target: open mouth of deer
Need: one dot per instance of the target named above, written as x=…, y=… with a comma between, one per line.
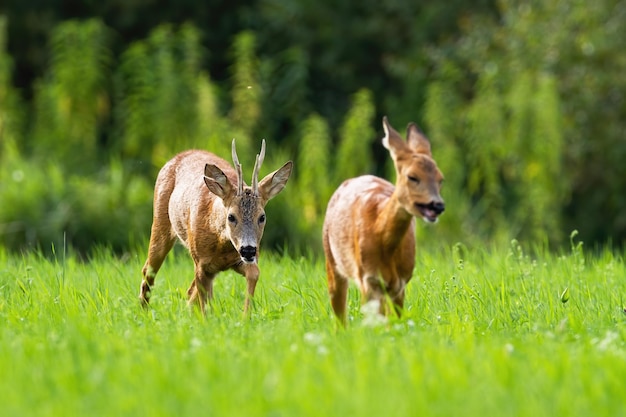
x=431, y=211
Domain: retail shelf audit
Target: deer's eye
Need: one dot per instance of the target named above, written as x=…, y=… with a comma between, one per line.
x=262, y=219
x=414, y=179
x=232, y=219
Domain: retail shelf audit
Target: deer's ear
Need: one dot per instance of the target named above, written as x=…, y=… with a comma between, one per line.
x=416, y=140
x=216, y=181
x=392, y=140
x=274, y=183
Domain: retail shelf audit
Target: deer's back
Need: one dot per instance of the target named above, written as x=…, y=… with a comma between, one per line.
x=188, y=168
x=365, y=192
x=350, y=216
x=181, y=194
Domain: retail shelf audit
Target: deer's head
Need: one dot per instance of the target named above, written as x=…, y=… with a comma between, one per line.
x=245, y=205
x=418, y=179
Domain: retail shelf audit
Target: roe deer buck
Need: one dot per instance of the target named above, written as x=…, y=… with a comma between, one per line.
x=369, y=228
x=216, y=216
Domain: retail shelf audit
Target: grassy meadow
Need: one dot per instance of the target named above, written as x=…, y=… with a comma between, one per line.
x=486, y=332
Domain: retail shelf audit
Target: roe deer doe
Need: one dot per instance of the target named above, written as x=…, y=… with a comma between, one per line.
x=216, y=216
x=369, y=228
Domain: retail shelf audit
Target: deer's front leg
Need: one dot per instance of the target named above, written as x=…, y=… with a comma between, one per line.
x=201, y=288
x=251, y=272
x=396, y=293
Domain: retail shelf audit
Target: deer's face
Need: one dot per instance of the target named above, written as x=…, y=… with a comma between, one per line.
x=418, y=181
x=245, y=214
x=245, y=222
x=419, y=185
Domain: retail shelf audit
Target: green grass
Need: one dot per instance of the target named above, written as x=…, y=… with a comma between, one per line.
x=485, y=333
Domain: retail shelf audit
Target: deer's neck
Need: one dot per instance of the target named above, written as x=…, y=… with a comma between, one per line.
x=392, y=223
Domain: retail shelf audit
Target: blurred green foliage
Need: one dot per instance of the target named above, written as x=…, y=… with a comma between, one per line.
x=539, y=119
x=524, y=103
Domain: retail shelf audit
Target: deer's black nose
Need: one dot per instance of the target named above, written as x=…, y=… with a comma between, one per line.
x=439, y=207
x=248, y=253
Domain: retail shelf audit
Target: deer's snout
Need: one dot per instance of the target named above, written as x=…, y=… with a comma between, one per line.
x=248, y=253
x=431, y=211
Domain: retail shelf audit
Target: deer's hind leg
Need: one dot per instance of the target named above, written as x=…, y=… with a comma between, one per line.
x=162, y=237
x=160, y=245
x=338, y=291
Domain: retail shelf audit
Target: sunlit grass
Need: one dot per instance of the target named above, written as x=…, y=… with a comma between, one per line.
x=485, y=332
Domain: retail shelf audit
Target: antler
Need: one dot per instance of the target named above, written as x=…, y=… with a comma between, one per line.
x=257, y=168
x=238, y=169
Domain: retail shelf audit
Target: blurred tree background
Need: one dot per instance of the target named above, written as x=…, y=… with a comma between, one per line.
x=524, y=103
